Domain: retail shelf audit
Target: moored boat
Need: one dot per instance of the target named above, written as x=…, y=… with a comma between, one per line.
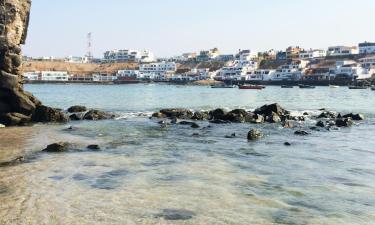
x=306, y=86
x=287, y=86
x=334, y=86
x=357, y=87
x=251, y=87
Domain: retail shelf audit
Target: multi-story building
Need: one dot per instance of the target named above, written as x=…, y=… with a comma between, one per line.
x=366, y=48
x=118, y=56
x=246, y=55
x=260, y=75
x=367, y=62
x=310, y=54
x=158, y=71
x=238, y=70
x=290, y=72
x=292, y=52
x=342, y=51
x=208, y=55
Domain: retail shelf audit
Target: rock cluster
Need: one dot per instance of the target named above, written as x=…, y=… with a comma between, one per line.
x=18, y=107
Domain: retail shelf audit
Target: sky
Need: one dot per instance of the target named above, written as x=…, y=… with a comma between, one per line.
x=171, y=27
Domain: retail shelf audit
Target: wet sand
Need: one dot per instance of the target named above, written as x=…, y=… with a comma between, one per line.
x=14, y=140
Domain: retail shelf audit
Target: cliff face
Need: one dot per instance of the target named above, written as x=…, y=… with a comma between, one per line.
x=17, y=107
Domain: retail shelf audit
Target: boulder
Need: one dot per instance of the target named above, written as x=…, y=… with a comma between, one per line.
x=14, y=119
x=57, y=147
x=45, y=114
x=256, y=118
x=237, y=116
x=355, y=116
x=177, y=113
x=97, y=115
x=93, y=147
x=77, y=109
x=191, y=124
x=320, y=124
x=76, y=116
x=219, y=121
x=158, y=115
x=287, y=144
x=344, y=122
x=328, y=115
x=200, y=116
x=273, y=118
x=301, y=133
x=288, y=124
x=254, y=134
x=269, y=109
x=217, y=114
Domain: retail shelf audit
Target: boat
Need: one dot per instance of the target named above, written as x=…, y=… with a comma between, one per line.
x=287, y=86
x=223, y=86
x=251, y=87
x=357, y=87
x=334, y=86
x=306, y=86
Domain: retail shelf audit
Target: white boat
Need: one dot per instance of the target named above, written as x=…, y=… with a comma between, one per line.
x=334, y=86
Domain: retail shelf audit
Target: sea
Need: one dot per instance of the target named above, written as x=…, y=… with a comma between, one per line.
x=146, y=173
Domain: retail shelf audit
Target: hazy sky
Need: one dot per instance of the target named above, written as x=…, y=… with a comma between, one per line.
x=172, y=27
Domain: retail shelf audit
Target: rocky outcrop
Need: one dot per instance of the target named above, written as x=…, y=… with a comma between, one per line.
x=57, y=147
x=17, y=107
x=254, y=134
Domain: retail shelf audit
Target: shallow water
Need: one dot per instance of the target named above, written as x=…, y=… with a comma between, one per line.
x=145, y=174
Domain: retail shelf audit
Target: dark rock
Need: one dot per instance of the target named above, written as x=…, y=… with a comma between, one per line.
x=195, y=135
x=57, y=147
x=344, y=122
x=328, y=115
x=305, y=113
x=46, y=114
x=320, y=124
x=219, y=121
x=355, y=116
x=269, y=109
x=301, y=133
x=77, y=109
x=314, y=128
x=287, y=144
x=176, y=214
x=231, y=136
x=177, y=113
x=200, y=116
x=192, y=124
x=14, y=119
x=217, y=114
x=76, y=116
x=273, y=118
x=158, y=115
x=256, y=118
x=254, y=134
x=288, y=124
x=93, y=147
x=97, y=115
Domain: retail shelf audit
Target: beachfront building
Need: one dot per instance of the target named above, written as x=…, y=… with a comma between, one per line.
x=342, y=51
x=366, y=48
x=260, y=75
x=104, y=77
x=208, y=55
x=312, y=53
x=292, y=52
x=80, y=78
x=246, y=55
x=367, y=62
x=31, y=76
x=289, y=72
x=128, y=73
x=351, y=70
x=318, y=74
x=238, y=70
x=126, y=55
x=157, y=71
x=54, y=76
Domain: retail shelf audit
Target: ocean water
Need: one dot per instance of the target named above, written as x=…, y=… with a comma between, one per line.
x=146, y=174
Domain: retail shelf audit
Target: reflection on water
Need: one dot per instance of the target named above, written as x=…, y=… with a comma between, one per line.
x=177, y=175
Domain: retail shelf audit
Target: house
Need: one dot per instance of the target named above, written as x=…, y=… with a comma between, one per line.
x=158, y=71
x=367, y=62
x=292, y=52
x=54, y=76
x=342, y=51
x=126, y=55
x=238, y=70
x=352, y=70
x=310, y=54
x=289, y=72
x=318, y=74
x=366, y=48
x=246, y=55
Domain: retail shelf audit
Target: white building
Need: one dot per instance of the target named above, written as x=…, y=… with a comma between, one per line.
x=118, y=56
x=128, y=73
x=366, y=48
x=260, y=75
x=238, y=70
x=30, y=76
x=352, y=70
x=54, y=76
x=342, y=51
x=77, y=59
x=367, y=62
x=291, y=72
x=158, y=71
x=104, y=77
x=246, y=55
x=310, y=54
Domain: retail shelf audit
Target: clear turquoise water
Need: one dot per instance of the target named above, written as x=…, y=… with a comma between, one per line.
x=142, y=170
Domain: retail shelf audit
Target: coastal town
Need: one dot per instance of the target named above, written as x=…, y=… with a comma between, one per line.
x=336, y=65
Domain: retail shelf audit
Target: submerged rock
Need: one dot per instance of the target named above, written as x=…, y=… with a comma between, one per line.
x=287, y=144
x=200, y=116
x=93, y=147
x=192, y=124
x=301, y=133
x=328, y=115
x=231, y=136
x=57, y=147
x=320, y=124
x=254, y=134
x=77, y=108
x=177, y=113
x=288, y=124
x=176, y=214
x=344, y=122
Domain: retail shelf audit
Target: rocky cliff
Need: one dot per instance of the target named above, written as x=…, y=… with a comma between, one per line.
x=17, y=107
